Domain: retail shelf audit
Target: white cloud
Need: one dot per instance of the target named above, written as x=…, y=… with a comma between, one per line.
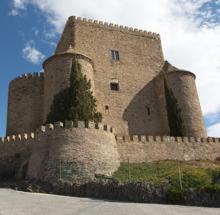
x=18, y=5
x=31, y=54
x=214, y=130
x=190, y=40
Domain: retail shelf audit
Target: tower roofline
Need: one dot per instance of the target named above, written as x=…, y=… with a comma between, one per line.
x=123, y=28
x=67, y=53
x=170, y=69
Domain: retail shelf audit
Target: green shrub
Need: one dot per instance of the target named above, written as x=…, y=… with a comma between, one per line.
x=215, y=174
x=211, y=188
x=76, y=102
x=190, y=180
x=175, y=196
x=172, y=171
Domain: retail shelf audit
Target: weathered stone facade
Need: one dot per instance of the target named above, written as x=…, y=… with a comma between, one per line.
x=81, y=153
x=25, y=103
x=57, y=75
x=136, y=108
x=141, y=149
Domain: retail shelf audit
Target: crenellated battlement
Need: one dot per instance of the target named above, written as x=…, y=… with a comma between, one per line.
x=91, y=125
x=28, y=76
x=57, y=125
x=79, y=124
x=123, y=28
x=63, y=140
x=18, y=138
x=105, y=149
x=142, y=138
x=139, y=149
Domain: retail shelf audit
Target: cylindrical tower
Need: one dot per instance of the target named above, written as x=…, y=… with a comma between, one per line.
x=85, y=152
x=183, y=86
x=25, y=111
x=57, y=74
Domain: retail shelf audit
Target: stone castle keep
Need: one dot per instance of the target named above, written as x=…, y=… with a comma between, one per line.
x=126, y=68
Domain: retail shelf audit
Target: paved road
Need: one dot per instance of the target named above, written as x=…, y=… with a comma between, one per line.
x=20, y=203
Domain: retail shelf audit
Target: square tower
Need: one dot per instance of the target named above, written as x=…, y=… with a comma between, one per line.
x=126, y=61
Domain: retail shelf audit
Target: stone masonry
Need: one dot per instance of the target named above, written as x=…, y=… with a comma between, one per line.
x=126, y=68
x=137, y=107
x=80, y=153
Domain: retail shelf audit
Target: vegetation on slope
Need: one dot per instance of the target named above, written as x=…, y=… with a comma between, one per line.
x=181, y=177
x=190, y=183
x=158, y=172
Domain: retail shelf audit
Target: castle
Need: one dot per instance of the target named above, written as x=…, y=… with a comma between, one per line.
x=126, y=68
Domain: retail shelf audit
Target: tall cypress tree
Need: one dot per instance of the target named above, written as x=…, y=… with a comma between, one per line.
x=174, y=113
x=75, y=102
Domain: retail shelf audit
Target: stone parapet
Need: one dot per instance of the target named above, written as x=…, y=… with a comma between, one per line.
x=126, y=29
x=84, y=148
x=27, y=76
x=57, y=125
x=143, y=138
x=18, y=138
x=140, y=149
x=74, y=152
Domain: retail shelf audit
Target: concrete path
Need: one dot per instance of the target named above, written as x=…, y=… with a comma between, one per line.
x=20, y=203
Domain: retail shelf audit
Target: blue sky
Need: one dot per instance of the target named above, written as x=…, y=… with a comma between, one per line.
x=16, y=33
x=190, y=32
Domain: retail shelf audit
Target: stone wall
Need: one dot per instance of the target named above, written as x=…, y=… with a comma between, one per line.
x=184, y=88
x=25, y=110
x=139, y=149
x=69, y=152
x=79, y=152
x=73, y=153
x=15, y=152
x=68, y=35
x=137, y=108
x=57, y=75
x=141, y=59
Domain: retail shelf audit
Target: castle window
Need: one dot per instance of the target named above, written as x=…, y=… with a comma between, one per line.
x=115, y=55
x=114, y=86
x=106, y=109
x=148, y=111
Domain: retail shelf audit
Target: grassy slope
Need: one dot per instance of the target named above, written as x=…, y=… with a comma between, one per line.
x=192, y=174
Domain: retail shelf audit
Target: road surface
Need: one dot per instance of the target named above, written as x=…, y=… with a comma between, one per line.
x=20, y=203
